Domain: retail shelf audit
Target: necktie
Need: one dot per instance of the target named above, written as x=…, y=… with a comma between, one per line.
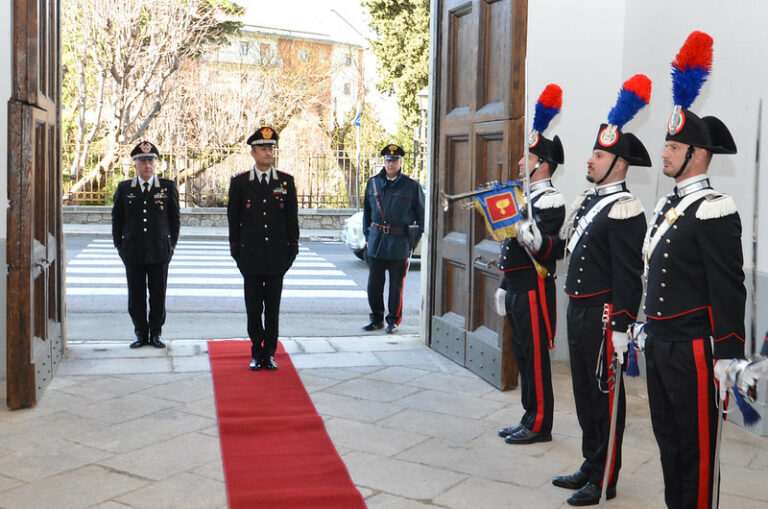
x=146, y=188
x=264, y=180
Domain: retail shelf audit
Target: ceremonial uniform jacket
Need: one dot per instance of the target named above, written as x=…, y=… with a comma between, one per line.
x=606, y=265
x=263, y=222
x=695, y=282
x=402, y=204
x=549, y=213
x=145, y=229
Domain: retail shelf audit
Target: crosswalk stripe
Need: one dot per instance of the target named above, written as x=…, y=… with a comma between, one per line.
x=223, y=292
x=201, y=263
x=108, y=280
x=201, y=257
x=204, y=269
x=233, y=271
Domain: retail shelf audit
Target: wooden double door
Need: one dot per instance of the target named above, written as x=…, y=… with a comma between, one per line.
x=35, y=280
x=479, y=128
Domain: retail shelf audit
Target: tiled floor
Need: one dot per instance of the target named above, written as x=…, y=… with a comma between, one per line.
x=121, y=428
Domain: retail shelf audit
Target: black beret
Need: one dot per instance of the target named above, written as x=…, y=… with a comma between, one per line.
x=393, y=150
x=145, y=150
x=685, y=126
x=263, y=136
x=625, y=145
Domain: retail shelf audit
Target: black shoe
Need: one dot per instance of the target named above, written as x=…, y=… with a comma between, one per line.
x=156, y=342
x=590, y=495
x=575, y=481
x=526, y=436
x=391, y=328
x=269, y=363
x=255, y=365
x=505, y=432
x=139, y=342
x=373, y=325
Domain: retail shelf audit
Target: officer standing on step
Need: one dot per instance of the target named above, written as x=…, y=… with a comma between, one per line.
x=393, y=202
x=145, y=228
x=264, y=240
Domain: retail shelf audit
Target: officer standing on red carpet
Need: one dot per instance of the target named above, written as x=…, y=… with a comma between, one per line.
x=604, y=288
x=393, y=202
x=526, y=298
x=145, y=228
x=695, y=289
x=264, y=240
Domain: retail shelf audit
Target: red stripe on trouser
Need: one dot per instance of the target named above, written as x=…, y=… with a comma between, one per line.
x=536, y=333
x=545, y=312
x=611, y=396
x=702, y=386
x=402, y=287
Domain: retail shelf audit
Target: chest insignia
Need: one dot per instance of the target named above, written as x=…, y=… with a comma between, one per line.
x=671, y=215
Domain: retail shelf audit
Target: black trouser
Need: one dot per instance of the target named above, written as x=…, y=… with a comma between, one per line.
x=152, y=276
x=682, y=396
x=262, y=296
x=531, y=317
x=377, y=269
x=593, y=407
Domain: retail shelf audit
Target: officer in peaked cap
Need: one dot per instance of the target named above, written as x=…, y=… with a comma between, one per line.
x=145, y=229
x=694, y=304
x=527, y=298
x=393, y=202
x=264, y=241
x=603, y=282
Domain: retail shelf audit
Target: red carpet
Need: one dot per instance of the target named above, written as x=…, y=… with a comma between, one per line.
x=274, y=446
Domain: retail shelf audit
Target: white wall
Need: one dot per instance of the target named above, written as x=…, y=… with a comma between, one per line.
x=590, y=47
x=579, y=46
x=5, y=94
x=738, y=80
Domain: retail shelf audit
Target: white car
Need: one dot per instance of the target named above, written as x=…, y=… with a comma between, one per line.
x=353, y=237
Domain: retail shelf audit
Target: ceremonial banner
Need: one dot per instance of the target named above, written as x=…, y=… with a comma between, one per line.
x=500, y=209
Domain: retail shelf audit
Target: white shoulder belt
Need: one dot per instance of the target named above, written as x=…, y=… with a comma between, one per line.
x=587, y=218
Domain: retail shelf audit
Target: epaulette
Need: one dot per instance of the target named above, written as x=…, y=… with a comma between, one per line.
x=626, y=208
x=283, y=173
x=716, y=205
x=580, y=199
x=241, y=173
x=551, y=199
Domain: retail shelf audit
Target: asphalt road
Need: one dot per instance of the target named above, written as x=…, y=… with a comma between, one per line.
x=323, y=294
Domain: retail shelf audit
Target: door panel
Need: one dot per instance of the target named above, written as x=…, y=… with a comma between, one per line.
x=35, y=334
x=480, y=128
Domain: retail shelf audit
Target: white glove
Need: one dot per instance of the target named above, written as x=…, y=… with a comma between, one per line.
x=724, y=376
x=620, y=343
x=751, y=374
x=528, y=234
x=636, y=332
x=500, y=300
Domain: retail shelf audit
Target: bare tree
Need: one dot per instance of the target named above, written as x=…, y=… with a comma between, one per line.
x=121, y=57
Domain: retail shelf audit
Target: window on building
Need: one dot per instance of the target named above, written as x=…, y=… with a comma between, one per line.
x=347, y=89
x=348, y=59
x=243, y=48
x=302, y=55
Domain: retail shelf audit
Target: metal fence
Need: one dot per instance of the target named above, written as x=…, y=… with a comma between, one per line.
x=324, y=179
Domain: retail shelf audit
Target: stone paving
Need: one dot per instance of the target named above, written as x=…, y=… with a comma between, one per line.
x=121, y=428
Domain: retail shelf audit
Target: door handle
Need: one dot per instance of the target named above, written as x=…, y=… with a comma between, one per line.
x=481, y=264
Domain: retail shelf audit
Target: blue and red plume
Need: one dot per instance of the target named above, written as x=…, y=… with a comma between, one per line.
x=547, y=107
x=635, y=93
x=691, y=68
